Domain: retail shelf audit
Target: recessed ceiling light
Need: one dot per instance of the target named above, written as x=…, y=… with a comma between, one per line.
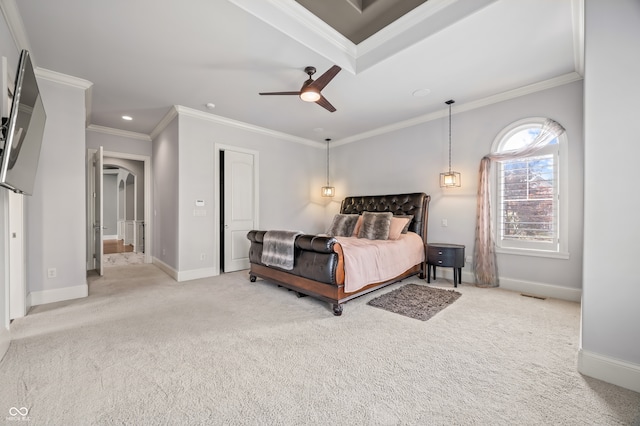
x=127, y=117
x=421, y=92
x=210, y=105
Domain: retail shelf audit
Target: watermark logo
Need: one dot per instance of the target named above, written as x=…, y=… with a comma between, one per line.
x=18, y=414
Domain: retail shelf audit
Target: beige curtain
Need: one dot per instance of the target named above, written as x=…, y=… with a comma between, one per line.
x=484, y=253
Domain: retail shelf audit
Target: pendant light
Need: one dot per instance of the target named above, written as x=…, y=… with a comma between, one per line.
x=449, y=179
x=328, y=191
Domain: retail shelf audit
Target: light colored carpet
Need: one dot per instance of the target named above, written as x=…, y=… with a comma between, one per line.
x=143, y=349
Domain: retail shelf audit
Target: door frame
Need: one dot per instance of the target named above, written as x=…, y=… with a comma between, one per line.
x=216, y=194
x=148, y=224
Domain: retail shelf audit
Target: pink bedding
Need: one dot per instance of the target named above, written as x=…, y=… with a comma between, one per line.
x=370, y=261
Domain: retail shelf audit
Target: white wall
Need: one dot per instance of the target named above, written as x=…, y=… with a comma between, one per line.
x=611, y=297
x=130, y=198
x=56, y=217
x=5, y=336
x=110, y=203
x=118, y=143
x=8, y=50
x=165, y=196
x=136, y=168
x=411, y=159
x=289, y=175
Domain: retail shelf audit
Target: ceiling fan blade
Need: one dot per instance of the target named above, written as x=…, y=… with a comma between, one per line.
x=324, y=103
x=325, y=78
x=281, y=93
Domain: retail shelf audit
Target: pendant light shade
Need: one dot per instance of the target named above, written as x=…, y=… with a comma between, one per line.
x=328, y=191
x=450, y=179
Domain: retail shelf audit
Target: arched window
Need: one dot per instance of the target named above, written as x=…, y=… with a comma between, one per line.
x=530, y=217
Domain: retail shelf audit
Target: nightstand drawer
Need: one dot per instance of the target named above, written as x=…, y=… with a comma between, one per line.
x=451, y=257
x=446, y=256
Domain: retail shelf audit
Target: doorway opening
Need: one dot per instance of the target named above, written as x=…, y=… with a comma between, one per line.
x=118, y=209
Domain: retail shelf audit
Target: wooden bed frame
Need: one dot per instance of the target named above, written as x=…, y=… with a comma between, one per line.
x=331, y=287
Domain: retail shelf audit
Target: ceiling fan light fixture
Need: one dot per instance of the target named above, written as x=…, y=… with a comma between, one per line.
x=310, y=95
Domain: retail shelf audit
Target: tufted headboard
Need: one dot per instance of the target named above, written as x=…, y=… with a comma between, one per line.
x=416, y=204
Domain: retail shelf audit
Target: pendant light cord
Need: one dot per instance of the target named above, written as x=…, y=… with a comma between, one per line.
x=449, y=103
x=327, y=161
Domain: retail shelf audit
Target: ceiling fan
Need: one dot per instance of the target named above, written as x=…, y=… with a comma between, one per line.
x=310, y=90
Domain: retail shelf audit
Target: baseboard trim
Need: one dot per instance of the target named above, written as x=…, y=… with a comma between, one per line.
x=165, y=268
x=195, y=274
x=180, y=276
x=529, y=287
x=5, y=341
x=610, y=370
x=109, y=237
x=57, y=295
x=542, y=289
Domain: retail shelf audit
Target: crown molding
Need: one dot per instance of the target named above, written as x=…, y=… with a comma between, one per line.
x=166, y=120
x=490, y=100
x=297, y=22
x=118, y=132
x=57, y=77
x=16, y=26
x=577, y=7
x=189, y=112
x=178, y=110
x=88, y=105
x=480, y=103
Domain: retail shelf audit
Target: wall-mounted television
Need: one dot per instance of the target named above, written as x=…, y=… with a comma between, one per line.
x=22, y=131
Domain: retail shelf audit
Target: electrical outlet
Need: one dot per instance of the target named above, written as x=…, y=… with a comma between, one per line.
x=444, y=222
x=52, y=273
x=469, y=259
x=202, y=256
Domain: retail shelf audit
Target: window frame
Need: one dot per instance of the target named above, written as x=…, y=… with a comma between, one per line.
x=558, y=249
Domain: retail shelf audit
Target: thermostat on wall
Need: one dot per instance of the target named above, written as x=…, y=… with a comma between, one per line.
x=200, y=203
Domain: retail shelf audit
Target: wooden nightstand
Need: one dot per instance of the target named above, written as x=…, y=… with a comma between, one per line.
x=448, y=256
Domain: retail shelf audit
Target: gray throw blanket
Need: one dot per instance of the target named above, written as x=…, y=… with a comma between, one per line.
x=278, y=248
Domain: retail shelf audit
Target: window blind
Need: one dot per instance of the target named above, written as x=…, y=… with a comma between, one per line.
x=528, y=195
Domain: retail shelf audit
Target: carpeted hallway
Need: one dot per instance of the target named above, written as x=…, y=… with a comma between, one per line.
x=143, y=349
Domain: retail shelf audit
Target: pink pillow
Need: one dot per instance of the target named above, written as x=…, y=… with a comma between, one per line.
x=396, y=227
x=357, y=228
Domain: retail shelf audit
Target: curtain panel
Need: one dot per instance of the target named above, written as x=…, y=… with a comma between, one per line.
x=484, y=252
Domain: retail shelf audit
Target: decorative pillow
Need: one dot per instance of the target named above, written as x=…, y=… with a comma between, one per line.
x=342, y=225
x=358, y=226
x=375, y=226
x=398, y=223
x=406, y=226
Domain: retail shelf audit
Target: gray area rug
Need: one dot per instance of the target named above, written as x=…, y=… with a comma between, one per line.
x=122, y=259
x=416, y=301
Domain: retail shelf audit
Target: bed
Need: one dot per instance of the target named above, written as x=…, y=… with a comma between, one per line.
x=323, y=265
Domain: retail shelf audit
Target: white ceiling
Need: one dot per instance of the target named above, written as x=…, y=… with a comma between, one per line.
x=145, y=56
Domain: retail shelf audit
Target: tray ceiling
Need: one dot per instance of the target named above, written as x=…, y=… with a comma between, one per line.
x=357, y=20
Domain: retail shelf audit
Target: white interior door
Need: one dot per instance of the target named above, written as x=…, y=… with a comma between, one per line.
x=239, y=208
x=17, y=281
x=98, y=229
